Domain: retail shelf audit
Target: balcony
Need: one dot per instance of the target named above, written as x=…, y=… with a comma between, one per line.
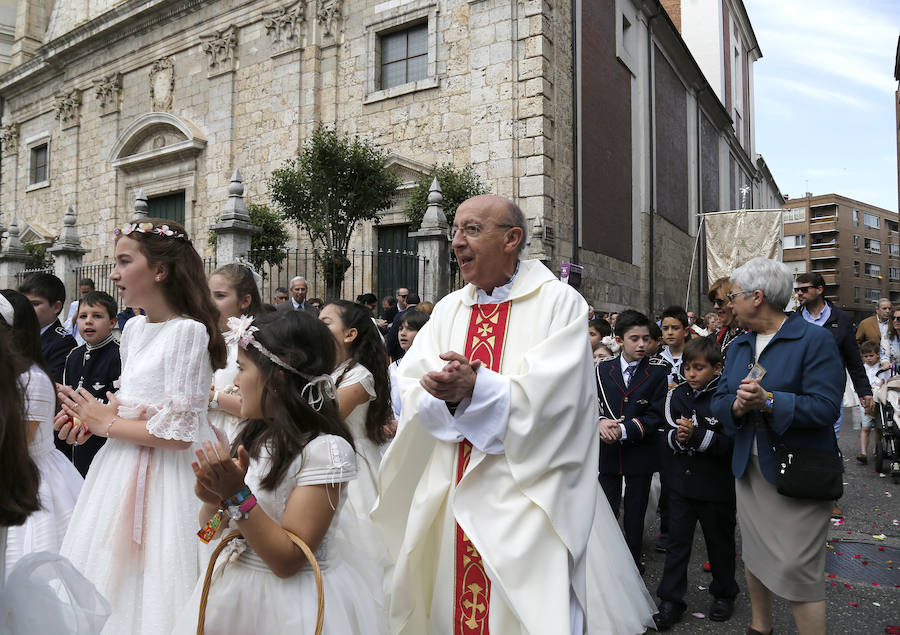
x=822, y=224
x=821, y=250
x=831, y=278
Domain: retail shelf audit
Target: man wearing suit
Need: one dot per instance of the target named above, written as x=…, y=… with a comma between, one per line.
x=632, y=392
x=874, y=328
x=298, y=301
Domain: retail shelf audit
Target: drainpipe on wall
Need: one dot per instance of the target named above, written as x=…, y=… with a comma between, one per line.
x=651, y=264
x=699, y=202
x=576, y=163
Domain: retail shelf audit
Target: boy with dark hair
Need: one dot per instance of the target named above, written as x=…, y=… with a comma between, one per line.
x=655, y=344
x=701, y=487
x=47, y=295
x=632, y=390
x=95, y=365
x=674, y=326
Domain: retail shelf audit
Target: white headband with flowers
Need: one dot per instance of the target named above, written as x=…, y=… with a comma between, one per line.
x=146, y=228
x=316, y=390
x=610, y=342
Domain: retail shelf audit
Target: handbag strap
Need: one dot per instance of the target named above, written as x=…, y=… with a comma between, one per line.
x=310, y=556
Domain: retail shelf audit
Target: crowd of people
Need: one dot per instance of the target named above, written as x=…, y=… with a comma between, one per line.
x=430, y=456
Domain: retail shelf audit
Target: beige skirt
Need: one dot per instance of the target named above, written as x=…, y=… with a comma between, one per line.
x=783, y=539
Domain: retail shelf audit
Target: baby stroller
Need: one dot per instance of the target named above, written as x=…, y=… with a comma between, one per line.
x=887, y=421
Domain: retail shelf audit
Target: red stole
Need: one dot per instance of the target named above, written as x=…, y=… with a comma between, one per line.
x=472, y=588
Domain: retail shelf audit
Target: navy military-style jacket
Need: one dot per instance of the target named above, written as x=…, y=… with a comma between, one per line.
x=97, y=370
x=56, y=343
x=641, y=405
x=699, y=468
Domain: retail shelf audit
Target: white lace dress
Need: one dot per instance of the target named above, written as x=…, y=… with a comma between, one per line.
x=133, y=532
x=363, y=492
x=60, y=481
x=223, y=378
x=246, y=597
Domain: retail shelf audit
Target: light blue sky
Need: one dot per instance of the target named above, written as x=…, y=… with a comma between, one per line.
x=825, y=116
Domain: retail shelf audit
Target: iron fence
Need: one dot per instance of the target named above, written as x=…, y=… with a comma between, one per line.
x=20, y=276
x=99, y=273
x=329, y=276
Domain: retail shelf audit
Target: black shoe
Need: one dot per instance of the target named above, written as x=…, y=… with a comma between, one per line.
x=669, y=614
x=661, y=543
x=721, y=609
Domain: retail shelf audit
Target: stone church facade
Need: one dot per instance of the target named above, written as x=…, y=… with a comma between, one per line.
x=102, y=100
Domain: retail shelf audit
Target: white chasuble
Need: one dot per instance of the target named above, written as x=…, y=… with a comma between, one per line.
x=530, y=504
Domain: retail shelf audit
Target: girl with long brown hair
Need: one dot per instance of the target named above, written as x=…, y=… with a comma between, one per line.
x=132, y=532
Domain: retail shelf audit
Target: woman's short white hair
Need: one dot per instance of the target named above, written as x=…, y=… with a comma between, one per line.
x=773, y=278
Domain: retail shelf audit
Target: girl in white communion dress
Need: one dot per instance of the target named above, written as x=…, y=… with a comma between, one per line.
x=293, y=457
x=132, y=531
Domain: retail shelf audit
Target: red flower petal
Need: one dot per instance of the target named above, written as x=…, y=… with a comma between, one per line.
x=831, y=575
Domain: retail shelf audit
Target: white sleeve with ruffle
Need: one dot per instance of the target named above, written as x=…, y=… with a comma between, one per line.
x=188, y=376
x=326, y=460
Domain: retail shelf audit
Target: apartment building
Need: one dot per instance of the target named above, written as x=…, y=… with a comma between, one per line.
x=854, y=245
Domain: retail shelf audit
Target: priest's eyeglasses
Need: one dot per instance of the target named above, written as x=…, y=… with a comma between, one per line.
x=473, y=230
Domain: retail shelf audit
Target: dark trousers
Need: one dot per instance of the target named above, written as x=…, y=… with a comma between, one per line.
x=663, y=505
x=637, y=493
x=717, y=519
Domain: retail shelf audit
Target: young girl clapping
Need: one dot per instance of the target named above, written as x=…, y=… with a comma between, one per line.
x=132, y=531
x=294, y=455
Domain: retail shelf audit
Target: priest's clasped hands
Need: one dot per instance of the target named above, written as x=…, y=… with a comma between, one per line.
x=455, y=381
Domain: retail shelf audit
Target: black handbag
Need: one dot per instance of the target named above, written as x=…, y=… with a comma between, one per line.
x=808, y=473
x=805, y=472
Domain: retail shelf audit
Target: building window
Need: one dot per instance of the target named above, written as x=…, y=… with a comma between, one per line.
x=856, y=267
x=37, y=156
x=871, y=220
x=894, y=273
x=856, y=217
x=857, y=293
x=404, y=56
x=168, y=206
x=873, y=246
x=873, y=270
x=797, y=266
x=39, y=164
x=856, y=241
x=895, y=249
x=795, y=215
x=873, y=295
x=792, y=241
x=401, y=50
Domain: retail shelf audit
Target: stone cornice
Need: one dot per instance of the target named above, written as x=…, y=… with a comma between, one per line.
x=127, y=18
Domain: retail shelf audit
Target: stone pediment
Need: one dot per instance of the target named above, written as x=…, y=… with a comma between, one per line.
x=156, y=138
x=409, y=171
x=33, y=234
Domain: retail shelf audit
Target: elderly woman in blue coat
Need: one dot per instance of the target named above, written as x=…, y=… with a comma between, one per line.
x=796, y=402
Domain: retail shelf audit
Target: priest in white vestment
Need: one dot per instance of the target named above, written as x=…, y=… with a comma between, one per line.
x=490, y=503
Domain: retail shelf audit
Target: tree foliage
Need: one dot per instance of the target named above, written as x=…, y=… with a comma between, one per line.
x=335, y=183
x=457, y=184
x=38, y=258
x=269, y=245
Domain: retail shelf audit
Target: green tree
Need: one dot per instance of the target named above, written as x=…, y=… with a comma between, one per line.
x=334, y=183
x=269, y=245
x=457, y=184
x=38, y=258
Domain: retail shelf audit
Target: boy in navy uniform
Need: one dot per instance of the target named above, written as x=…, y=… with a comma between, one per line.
x=47, y=293
x=701, y=487
x=632, y=391
x=95, y=365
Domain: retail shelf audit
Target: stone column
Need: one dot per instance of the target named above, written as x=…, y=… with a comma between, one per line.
x=67, y=254
x=141, y=205
x=12, y=257
x=234, y=230
x=434, y=246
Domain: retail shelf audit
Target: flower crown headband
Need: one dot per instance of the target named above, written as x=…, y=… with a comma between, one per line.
x=147, y=228
x=317, y=388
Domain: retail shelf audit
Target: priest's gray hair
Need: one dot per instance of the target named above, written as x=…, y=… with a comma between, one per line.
x=773, y=278
x=296, y=278
x=517, y=219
